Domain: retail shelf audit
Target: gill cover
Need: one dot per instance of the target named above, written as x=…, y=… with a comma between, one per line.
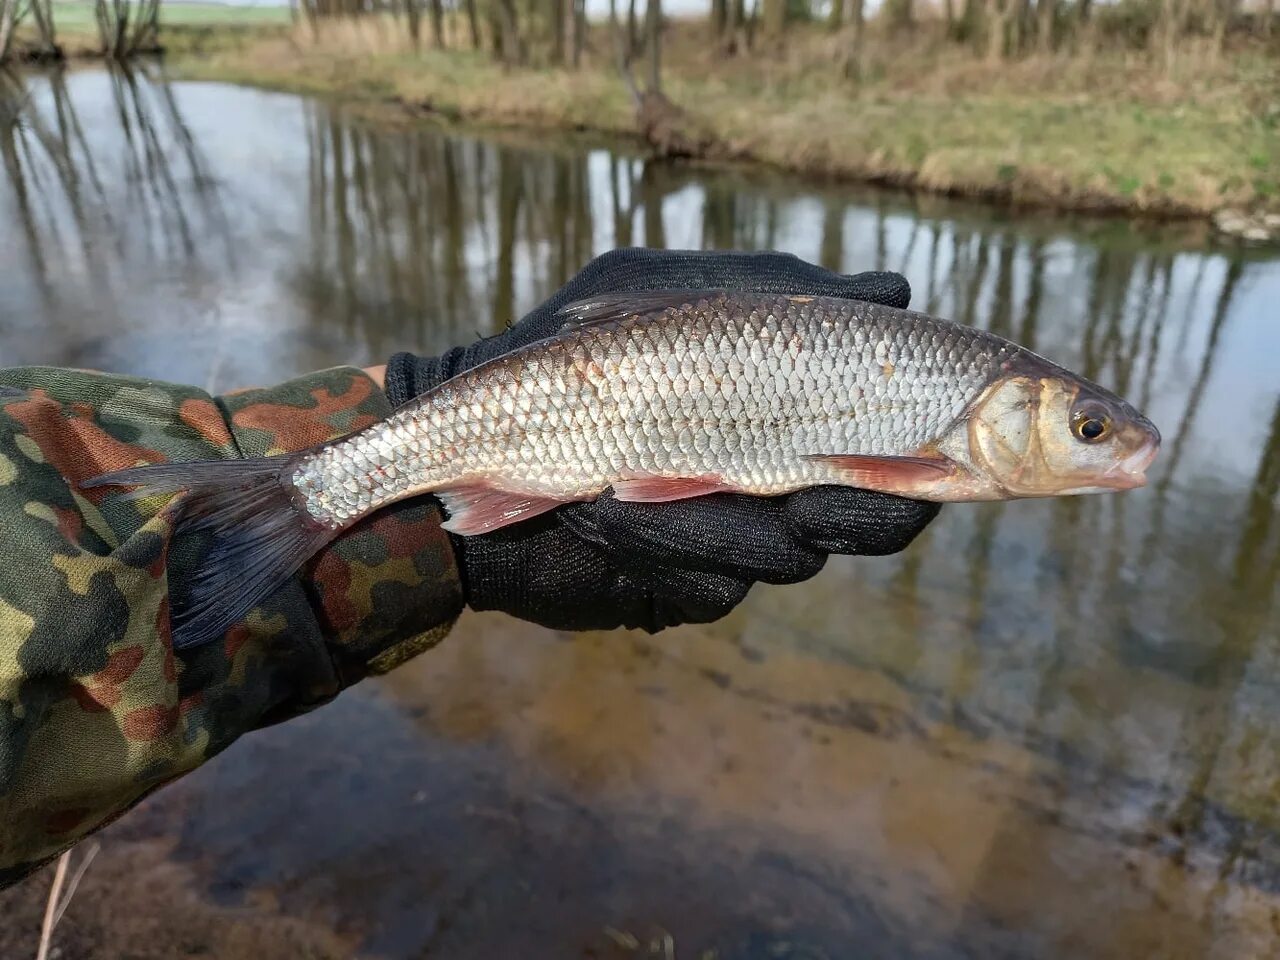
x=1005, y=434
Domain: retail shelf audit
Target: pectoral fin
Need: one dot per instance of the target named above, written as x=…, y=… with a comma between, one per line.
x=905, y=476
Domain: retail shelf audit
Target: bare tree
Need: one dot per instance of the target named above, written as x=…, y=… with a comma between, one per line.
x=1169, y=29
x=473, y=21
x=497, y=34
x=437, y=22
x=509, y=28
x=126, y=29
x=555, y=11
x=633, y=30
x=413, y=15
x=1021, y=24
x=42, y=17
x=1220, y=13
x=853, y=66
x=997, y=11
x=1084, y=37
x=8, y=23
x=775, y=17
x=835, y=15
x=653, y=29
x=900, y=13
x=733, y=23
x=579, y=31
x=1046, y=12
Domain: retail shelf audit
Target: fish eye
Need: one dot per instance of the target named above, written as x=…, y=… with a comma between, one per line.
x=1091, y=425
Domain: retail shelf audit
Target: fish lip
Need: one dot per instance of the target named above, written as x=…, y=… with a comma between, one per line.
x=1131, y=472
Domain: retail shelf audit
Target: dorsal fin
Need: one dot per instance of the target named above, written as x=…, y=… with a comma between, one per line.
x=607, y=307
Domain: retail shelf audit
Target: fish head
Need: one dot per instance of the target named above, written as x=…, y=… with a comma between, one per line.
x=1041, y=431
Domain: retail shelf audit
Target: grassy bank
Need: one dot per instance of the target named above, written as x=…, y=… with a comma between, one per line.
x=1107, y=132
x=189, y=24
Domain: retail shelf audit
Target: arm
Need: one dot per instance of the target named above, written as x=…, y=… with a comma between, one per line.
x=95, y=709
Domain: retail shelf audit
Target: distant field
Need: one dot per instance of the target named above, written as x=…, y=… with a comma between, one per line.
x=76, y=14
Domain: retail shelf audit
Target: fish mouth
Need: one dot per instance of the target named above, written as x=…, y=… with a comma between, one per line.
x=1131, y=472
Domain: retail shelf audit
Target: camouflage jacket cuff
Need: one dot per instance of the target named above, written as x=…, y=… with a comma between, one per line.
x=388, y=588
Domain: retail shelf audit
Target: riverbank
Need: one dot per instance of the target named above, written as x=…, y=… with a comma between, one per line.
x=1106, y=133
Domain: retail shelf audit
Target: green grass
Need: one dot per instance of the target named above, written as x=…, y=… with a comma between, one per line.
x=76, y=15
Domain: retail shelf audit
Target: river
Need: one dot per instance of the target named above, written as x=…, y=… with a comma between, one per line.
x=1047, y=730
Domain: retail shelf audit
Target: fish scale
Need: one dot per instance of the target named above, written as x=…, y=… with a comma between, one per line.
x=742, y=387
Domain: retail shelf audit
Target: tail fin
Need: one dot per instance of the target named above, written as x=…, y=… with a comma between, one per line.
x=260, y=535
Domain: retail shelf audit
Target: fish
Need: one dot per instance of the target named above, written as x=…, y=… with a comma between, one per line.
x=660, y=396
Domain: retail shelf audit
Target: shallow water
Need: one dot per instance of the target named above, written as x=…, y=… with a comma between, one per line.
x=1048, y=729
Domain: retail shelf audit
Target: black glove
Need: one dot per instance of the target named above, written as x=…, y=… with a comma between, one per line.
x=607, y=563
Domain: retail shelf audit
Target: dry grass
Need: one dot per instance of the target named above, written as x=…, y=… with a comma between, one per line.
x=1108, y=131
x=58, y=901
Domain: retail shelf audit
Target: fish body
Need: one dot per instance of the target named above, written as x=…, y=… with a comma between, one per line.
x=746, y=393
x=668, y=395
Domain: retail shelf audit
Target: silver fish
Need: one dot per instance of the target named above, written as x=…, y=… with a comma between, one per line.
x=662, y=396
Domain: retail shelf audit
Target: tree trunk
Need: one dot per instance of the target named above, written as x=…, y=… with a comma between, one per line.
x=473, y=21
x=1021, y=24
x=556, y=14
x=901, y=14
x=494, y=16
x=1170, y=29
x=413, y=14
x=835, y=16
x=623, y=55
x=1045, y=12
x=633, y=31
x=1221, y=13
x=579, y=31
x=732, y=18
x=949, y=10
x=995, y=30
x=653, y=27
x=7, y=15
x=146, y=28
x=42, y=12
x=511, y=48
x=752, y=21
x=853, y=68
x=437, y=23
x=775, y=17
x=719, y=16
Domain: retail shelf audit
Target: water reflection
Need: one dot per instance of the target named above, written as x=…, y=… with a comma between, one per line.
x=92, y=221
x=1039, y=713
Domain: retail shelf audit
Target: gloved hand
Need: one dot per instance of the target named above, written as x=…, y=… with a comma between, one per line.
x=607, y=563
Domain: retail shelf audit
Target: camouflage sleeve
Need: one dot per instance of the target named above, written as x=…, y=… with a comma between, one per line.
x=96, y=709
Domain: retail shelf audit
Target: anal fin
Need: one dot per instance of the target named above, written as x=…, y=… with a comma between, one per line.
x=477, y=508
x=905, y=476
x=657, y=489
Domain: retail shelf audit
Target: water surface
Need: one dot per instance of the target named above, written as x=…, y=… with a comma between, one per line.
x=1048, y=729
